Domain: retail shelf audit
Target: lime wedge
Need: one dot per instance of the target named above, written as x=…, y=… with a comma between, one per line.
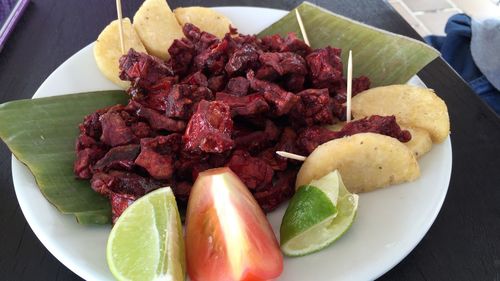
x=317, y=215
x=146, y=243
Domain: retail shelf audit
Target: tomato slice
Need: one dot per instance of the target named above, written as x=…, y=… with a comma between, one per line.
x=227, y=234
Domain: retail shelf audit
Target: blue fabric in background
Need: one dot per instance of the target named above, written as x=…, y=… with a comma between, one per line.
x=455, y=49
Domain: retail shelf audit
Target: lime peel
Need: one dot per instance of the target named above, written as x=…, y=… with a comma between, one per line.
x=146, y=243
x=299, y=237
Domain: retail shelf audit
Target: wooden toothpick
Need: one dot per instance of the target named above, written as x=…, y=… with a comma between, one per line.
x=120, y=24
x=302, y=29
x=291, y=155
x=349, y=87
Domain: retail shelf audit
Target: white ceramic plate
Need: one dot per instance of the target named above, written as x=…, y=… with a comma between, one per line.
x=390, y=222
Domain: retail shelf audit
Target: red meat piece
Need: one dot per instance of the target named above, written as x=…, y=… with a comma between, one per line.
x=217, y=83
x=257, y=140
x=91, y=125
x=293, y=44
x=157, y=155
x=266, y=72
x=156, y=120
x=276, y=162
x=311, y=137
x=181, y=99
x=244, y=58
x=210, y=128
x=182, y=190
x=238, y=86
x=212, y=59
x=325, y=68
x=272, y=43
x=182, y=52
x=313, y=108
x=244, y=106
x=281, y=100
x=85, y=159
x=284, y=63
x=186, y=163
x=143, y=70
x=158, y=166
x=287, y=142
x=253, y=172
x=123, y=183
x=120, y=157
x=120, y=202
x=141, y=130
x=272, y=195
x=197, y=78
x=114, y=130
x=294, y=82
x=201, y=40
x=358, y=85
x=385, y=125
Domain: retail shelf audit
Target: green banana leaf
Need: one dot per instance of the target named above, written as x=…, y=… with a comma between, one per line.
x=386, y=58
x=41, y=133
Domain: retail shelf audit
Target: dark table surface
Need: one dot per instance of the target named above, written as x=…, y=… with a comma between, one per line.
x=462, y=244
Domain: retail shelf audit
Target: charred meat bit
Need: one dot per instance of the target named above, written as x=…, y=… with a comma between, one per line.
x=326, y=68
x=313, y=108
x=120, y=202
x=210, y=128
x=281, y=190
x=254, y=172
x=284, y=63
x=384, y=125
x=238, y=86
x=156, y=155
x=143, y=70
x=158, y=121
x=244, y=106
x=114, y=130
x=244, y=58
x=311, y=137
x=120, y=157
x=281, y=100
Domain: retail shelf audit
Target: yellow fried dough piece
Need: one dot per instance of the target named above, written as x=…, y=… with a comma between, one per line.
x=366, y=161
x=414, y=107
x=157, y=27
x=206, y=19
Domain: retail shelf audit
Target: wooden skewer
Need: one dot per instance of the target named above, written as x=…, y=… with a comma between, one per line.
x=120, y=24
x=302, y=29
x=291, y=155
x=349, y=87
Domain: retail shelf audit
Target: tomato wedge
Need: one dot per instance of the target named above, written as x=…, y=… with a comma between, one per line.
x=227, y=234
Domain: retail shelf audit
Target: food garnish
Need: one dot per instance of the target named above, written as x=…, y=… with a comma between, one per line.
x=147, y=243
x=317, y=215
x=227, y=234
x=367, y=161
